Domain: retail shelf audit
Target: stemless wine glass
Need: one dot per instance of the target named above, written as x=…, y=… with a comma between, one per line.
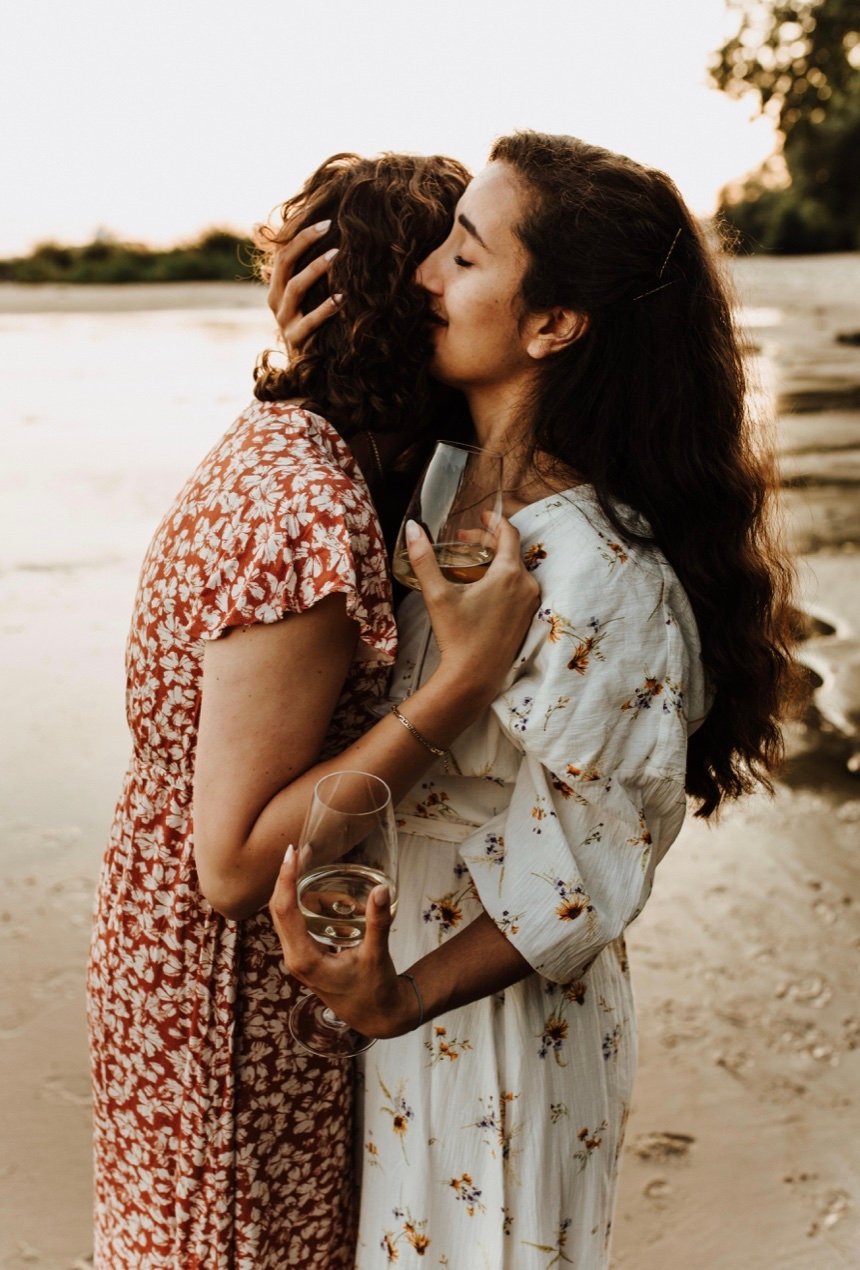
x=348, y=846
x=457, y=502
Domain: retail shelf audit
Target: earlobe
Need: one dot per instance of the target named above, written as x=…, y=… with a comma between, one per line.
x=555, y=330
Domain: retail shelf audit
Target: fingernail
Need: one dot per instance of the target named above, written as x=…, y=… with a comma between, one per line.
x=383, y=897
x=331, y=253
x=337, y=297
x=322, y=226
x=413, y=531
x=291, y=851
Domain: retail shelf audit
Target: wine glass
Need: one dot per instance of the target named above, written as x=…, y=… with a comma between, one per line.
x=347, y=847
x=458, y=503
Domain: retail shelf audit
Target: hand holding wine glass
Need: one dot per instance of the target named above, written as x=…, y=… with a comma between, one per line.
x=347, y=849
x=458, y=504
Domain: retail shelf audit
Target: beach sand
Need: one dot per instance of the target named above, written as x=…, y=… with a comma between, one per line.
x=742, y=1148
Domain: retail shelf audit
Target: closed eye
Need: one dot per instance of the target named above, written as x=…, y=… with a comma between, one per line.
x=463, y=264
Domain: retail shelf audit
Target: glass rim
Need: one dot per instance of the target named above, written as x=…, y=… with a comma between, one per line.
x=472, y=449
x=369, y=776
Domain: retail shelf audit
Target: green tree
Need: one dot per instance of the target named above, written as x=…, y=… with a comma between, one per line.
x=802, y=59
x=218, y=255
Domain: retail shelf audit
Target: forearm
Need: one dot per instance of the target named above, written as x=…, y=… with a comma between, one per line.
x=478, y=962
x=269, y=693
x=439, y=710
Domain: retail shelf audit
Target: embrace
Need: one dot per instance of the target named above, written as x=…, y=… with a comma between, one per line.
x=541, y=729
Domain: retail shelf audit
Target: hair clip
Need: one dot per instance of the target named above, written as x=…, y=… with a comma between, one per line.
x=654, y=290
x=668, y=254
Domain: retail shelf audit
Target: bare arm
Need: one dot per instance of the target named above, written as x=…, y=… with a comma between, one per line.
x=268, y=695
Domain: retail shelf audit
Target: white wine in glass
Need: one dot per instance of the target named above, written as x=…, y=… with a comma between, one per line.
x=348, y=846
x=458, y=503
x=333, y=901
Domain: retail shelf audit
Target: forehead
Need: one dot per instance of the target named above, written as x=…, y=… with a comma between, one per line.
x=495, y=203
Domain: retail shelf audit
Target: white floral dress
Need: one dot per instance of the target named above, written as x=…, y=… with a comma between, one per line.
x=491, y=1135
x=219, y=1144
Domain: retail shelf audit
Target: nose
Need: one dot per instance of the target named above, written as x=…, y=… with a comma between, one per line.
x=428, y=275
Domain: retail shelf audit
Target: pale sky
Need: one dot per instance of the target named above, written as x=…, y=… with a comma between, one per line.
x=159, y=119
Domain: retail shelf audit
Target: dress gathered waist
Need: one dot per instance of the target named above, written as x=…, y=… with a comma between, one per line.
x=149, y=771
x=440, y=830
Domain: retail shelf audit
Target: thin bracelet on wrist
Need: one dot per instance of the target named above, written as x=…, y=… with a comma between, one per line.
x=405, y=975
x=428, y=745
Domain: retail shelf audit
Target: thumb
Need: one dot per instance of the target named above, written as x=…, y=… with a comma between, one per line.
x=378, y=923
x=422, y=558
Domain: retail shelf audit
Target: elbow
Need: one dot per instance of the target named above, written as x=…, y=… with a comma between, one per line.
x=232, y=894
x=234, y=907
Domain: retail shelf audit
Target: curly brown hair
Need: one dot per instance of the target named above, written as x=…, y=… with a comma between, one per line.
x=366, y=368
x=650, y=407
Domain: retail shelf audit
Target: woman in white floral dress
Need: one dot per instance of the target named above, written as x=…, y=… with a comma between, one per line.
x=576, y=306
x=261, y=637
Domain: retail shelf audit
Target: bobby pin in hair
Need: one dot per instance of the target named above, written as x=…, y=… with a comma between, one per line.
x=668, y=254
x=654, y=290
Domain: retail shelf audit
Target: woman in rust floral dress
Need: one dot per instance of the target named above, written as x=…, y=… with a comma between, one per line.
x=261, y=637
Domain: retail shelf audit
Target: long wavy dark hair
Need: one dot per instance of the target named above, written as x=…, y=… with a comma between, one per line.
x=365, y=369
x=650, y=407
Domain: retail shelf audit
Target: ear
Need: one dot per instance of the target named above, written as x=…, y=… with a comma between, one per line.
x=554, y=330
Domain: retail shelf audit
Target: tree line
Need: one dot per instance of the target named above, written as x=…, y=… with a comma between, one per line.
x=217, y=256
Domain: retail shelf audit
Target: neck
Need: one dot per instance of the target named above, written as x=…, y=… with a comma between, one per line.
x=497, y=415
x=500, y=422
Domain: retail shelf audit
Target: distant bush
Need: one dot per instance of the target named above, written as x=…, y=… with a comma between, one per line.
x=217, y=256
x=789, y=222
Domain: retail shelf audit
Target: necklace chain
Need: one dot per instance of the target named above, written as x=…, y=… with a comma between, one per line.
x=375, y=451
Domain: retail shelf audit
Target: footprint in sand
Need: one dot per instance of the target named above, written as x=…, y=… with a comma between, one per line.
x=813, y=991
x=834, y=1206
x=662, y=1146
x=658, y=1191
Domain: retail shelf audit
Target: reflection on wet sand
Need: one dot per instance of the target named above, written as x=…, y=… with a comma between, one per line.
x=805, y=338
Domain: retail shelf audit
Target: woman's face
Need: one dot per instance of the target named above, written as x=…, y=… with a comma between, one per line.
x=473, y=281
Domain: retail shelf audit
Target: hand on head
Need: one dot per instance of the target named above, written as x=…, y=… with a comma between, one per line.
x=286, y=291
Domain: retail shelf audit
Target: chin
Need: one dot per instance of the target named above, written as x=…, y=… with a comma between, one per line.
x=438, y=371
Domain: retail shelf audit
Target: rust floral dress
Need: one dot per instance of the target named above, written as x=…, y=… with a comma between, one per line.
x=492, y=1134
x=218, y=1144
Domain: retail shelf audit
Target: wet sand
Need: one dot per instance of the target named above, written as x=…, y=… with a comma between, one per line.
x=742, y=1148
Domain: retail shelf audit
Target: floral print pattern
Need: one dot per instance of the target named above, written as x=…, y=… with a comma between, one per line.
x=219, y=1145
x=561, y=808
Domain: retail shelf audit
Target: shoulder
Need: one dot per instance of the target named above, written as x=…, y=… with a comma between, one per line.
x=277, y=457
x=612, y=663
x=574, y=551
x=609, y=607
x=290, y=437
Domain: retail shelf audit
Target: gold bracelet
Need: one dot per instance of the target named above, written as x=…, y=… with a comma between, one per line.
x=428, y=745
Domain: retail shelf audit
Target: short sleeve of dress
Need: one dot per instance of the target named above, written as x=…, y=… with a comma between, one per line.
x=277, y=518
x=599, y=712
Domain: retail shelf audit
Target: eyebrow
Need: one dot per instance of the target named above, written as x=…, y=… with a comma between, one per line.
x=470, y=229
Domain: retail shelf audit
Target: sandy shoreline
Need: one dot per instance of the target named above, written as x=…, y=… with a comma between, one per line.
x=742, y=1148
x=739, y=1149
x=131, y=298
